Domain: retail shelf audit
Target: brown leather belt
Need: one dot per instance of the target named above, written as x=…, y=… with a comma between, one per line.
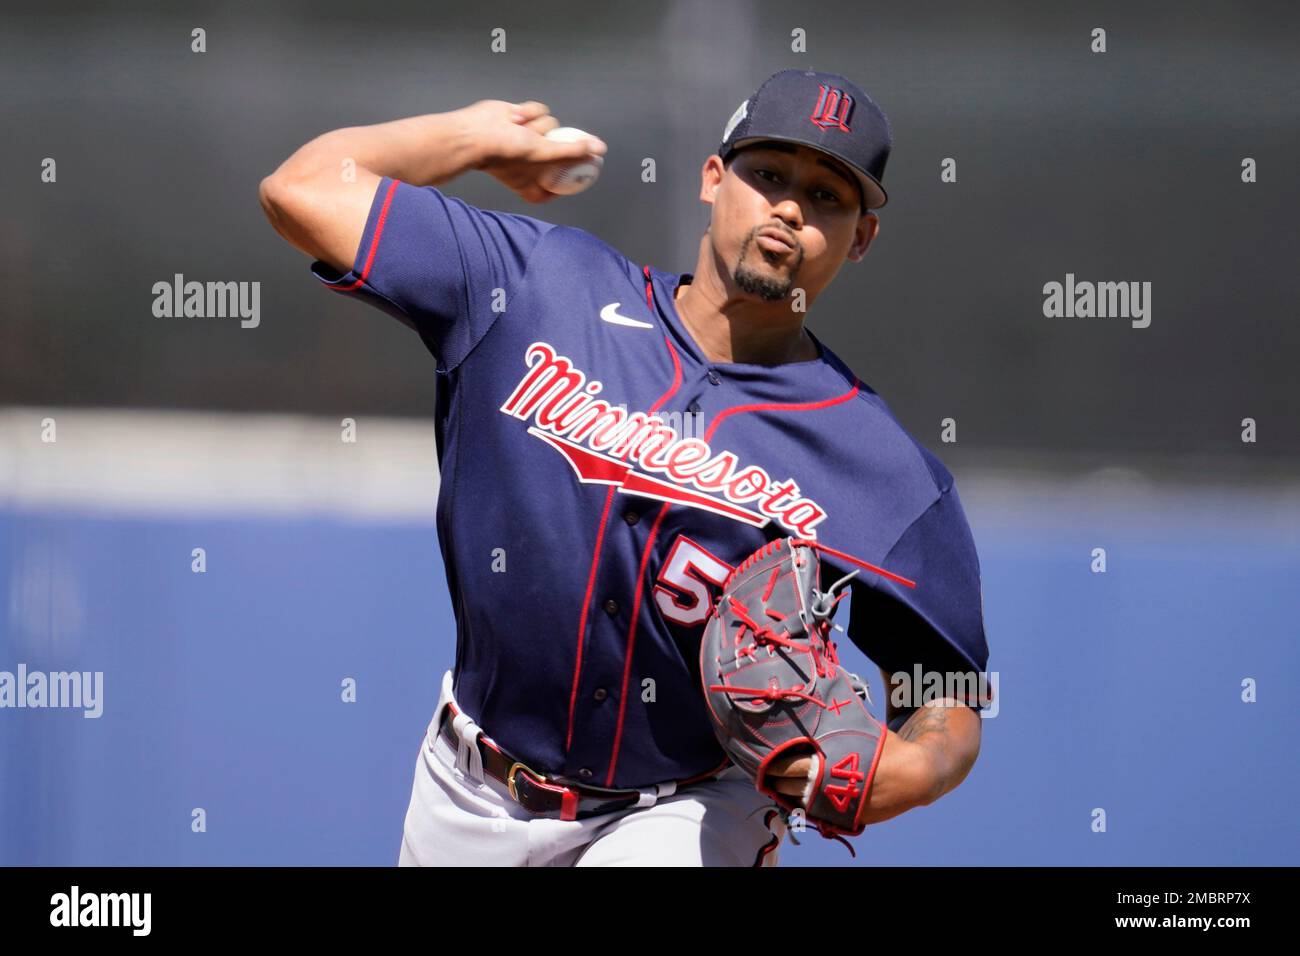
x=545, y=797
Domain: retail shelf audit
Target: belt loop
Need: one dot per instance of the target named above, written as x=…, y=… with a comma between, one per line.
x=569, y=805
x=469, y=759
x=652, y=795
x=444, y=699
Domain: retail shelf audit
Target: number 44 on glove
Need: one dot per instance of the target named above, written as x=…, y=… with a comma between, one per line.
x=775, y=688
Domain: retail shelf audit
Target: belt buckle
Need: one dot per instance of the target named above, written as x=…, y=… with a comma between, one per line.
x=569, y=798
x=510, y=777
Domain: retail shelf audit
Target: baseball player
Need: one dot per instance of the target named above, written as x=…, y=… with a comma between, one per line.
x=613, y=440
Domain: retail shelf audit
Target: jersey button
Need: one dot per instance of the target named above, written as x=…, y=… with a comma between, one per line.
x=600, y=694
x=713, y=377
x=585, y=773
x=631, y=517
x=693, y=408
x=611, y=606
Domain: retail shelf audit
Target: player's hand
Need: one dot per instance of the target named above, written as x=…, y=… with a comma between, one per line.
x=789, y=774
x=511, y=140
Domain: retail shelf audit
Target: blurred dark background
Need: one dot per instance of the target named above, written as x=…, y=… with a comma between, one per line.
x=1123, y=166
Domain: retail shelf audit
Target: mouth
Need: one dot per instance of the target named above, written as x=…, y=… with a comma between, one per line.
x=774, y=240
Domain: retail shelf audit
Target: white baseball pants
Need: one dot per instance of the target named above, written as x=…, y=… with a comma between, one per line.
x=460, y=817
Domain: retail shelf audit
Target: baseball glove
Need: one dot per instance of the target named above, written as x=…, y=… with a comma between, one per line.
x=774, y=684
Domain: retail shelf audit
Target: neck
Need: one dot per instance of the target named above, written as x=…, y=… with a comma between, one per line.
x=731, y=326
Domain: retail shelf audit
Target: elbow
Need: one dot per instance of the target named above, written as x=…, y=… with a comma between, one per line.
x=272, y=193
x=931, y=789
x=288, y=194
x=947, y=773
x=287, y=203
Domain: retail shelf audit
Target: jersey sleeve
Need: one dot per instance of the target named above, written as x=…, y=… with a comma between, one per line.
x=937, y=626
x=437, y=264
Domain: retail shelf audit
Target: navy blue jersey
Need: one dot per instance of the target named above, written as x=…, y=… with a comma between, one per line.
x=588, y=444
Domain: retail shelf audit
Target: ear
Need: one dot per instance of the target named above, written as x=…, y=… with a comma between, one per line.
x=711, y=178
x=868, y=226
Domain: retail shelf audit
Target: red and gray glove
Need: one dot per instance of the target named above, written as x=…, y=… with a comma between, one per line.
x=775, y=687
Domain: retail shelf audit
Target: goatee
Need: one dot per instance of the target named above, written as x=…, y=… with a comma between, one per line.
x=768, y=287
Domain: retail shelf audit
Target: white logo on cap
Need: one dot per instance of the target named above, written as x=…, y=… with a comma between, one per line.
x=736, y=117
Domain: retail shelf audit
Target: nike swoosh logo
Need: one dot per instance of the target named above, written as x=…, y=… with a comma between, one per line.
x=610, y=315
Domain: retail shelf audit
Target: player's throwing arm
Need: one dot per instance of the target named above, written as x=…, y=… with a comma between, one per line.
x=319, y=198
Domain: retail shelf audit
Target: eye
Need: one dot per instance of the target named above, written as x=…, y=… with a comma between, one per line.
x=764, y=173
x=825, y=195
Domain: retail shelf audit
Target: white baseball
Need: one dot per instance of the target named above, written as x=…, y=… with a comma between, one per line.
x=566, y=179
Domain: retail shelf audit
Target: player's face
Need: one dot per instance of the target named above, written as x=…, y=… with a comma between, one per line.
x=800, y=193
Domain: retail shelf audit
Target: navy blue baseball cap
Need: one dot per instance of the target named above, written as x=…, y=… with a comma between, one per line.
x=824, y=111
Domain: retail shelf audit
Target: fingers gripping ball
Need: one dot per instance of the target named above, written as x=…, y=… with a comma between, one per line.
x=573, y=177
x=774, y=685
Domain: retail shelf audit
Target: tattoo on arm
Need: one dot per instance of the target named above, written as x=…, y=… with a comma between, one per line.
x=927, y=720
x=950, y=734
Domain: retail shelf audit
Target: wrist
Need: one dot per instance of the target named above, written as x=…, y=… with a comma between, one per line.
x=425, y=150
x=465, y=145
x=434, y=149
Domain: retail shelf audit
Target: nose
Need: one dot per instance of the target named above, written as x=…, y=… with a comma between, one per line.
x=788, y=211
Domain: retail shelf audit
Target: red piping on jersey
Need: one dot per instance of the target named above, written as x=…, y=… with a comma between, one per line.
x=374, y=241
x=780, y=406
x=582, y=620
x=595, y=557
x=631, y=638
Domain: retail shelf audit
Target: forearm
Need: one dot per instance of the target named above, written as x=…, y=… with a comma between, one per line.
x=423, y=150
x=320, y=196
x=929, y=756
